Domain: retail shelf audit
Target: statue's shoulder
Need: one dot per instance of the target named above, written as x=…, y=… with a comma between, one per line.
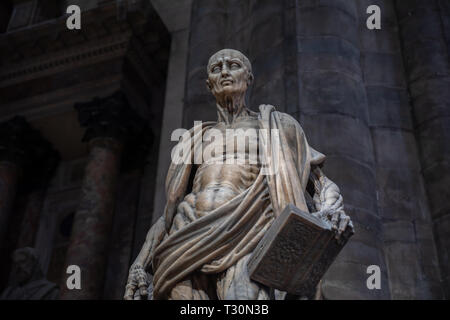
x=286, y=120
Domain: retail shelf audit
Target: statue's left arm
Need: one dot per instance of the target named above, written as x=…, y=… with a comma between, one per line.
x=327, y=198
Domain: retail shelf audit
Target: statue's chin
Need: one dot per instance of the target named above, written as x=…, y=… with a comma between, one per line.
x=230, y=90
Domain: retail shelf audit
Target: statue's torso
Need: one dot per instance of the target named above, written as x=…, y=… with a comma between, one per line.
x=217, y=182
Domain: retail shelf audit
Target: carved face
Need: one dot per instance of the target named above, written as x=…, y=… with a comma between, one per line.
x=229, y=73
x=22, y=267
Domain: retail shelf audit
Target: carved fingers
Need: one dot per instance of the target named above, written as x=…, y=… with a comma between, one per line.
x=142, y=283
x=338, y=220
x=344, y=222
x=335, y=219
x=130, y=289
x=137, y=284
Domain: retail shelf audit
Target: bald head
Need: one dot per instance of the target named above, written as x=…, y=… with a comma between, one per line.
x=229, y=75
x=232, y=54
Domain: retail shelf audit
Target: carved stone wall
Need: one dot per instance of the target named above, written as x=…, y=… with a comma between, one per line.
x=424, y=30
x=333, y=110
x=409, y=248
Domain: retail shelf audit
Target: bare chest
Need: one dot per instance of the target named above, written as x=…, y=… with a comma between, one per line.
x=239, y=139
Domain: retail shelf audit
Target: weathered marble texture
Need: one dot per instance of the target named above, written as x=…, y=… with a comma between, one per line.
x=208, y=229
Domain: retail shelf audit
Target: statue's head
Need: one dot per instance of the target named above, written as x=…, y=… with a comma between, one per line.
x=229, y=73
x=25, y=265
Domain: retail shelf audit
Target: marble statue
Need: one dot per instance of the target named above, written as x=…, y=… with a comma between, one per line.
x=27, y=279
x=218, y=211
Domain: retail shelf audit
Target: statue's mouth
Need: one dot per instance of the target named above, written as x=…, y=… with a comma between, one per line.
x=226, y=82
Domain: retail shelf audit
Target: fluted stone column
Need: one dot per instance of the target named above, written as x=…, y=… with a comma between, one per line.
x=110, y=124
x=425, y=38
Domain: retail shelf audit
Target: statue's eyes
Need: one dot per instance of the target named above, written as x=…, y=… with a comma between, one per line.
x=234, y=66
x=215, y=69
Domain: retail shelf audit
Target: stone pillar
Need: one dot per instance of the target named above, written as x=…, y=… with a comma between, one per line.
x=333, y=110
x=410, y=252
x=425, y=39
x=110, y=124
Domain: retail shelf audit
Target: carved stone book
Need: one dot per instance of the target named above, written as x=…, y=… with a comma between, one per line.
x=296, y=252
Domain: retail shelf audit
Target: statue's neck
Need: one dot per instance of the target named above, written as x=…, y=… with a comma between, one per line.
x=229, y=109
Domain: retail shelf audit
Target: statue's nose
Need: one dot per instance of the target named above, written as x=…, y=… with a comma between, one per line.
x=225, y=71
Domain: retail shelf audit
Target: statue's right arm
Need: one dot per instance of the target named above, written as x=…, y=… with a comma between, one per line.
x=153, y=238
x=137, y=277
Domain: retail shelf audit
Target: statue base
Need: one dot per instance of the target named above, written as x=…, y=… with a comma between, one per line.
x=296, y=252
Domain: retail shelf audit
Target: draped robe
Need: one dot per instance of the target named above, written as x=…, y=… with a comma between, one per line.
x=215, y=241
